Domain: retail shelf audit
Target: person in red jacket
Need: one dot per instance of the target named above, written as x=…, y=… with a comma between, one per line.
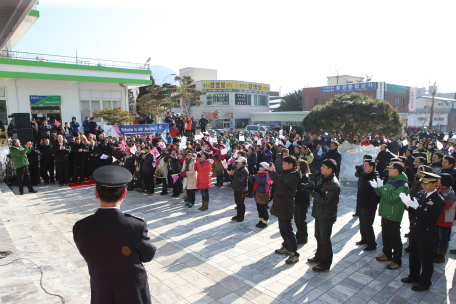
x=445, y=221
x=174, y=131
x=203, y=179
x=187, y=126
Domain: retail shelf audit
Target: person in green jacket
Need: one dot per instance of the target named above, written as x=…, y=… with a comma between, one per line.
x=391, y=209
x=21, y=163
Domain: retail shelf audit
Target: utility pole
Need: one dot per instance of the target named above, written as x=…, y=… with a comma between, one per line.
x=432, y=91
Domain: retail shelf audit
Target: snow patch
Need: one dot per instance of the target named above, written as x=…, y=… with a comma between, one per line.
x=352, y=155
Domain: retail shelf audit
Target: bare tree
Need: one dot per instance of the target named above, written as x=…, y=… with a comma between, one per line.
x=337, y=69
x=367, y=77
x=432, y=91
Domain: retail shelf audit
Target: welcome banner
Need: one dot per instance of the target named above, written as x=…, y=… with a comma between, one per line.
x=129, y=130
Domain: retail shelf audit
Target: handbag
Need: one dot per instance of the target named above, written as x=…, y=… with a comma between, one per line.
x=159, y=172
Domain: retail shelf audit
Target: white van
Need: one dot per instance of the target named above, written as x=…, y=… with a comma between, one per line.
x=257, y=128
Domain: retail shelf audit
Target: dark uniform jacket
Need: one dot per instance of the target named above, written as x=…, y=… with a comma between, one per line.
x=61, y=155
x=285, y=193
x=424, y=218
x=367, y=199
x=326, y=199
x=114, y=245
x=46, y=154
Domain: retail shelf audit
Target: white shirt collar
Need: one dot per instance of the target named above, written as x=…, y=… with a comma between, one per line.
x=427, y=194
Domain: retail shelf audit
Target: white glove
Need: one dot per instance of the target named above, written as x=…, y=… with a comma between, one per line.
x=414, y=204
x=405, y=199
x=379, y=182
x=373, y=184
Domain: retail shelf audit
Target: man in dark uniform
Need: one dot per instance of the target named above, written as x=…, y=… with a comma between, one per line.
x=425, y=210
x=203, y=123
x=114, y=244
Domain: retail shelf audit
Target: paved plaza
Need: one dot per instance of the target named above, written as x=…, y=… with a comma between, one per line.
x=202, y=257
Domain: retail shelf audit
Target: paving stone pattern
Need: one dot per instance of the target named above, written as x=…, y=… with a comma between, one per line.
x=202, y=257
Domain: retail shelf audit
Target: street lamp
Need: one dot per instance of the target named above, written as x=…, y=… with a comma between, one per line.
x=148, y=59
x=167, y=77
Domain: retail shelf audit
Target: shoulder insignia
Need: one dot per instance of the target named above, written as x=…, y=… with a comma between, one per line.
x=138, y=218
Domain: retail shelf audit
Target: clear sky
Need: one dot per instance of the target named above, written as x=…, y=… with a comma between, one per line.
x=287, y=44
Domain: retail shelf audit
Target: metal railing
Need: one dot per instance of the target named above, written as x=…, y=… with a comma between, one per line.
x=73, y=60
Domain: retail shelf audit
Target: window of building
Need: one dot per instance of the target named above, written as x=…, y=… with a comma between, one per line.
x=396, y=101
x=317, y=101
x=241, y=123
x=402, y=102
x=439, y=118
x=260, y=100
x=387, y=98
x=92, y=100
x=217, y=99
x=242, y=99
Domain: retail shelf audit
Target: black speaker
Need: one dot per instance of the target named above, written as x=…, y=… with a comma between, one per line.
x=24, y=135
x=21, y=120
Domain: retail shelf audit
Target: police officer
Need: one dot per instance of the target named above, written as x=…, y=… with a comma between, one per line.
x=114, y=244
x=425, y=210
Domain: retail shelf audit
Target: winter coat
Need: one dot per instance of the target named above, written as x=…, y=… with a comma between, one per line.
x=285, y=193
x=447, y=217
x=92, y=127
x=203, y=122
x=191, y=177
x=33, y=156
x=334, y=154
x=391, y=206
x=188, y=124
x=252, y=162
x=193, y=124
x=79, y=156
x=239, y=179
x=20, y=156
x=203, y=180
x=147, y=163
x=174, y=164
x=85, y=124
x=326, y=199
x=163, y=165
x=46, y=154
x=278, y=164
x=395, y=147
x=61, y=155
x=45, y=131
x=266, y=156
x=74, y=125
x=261, y=181
x=383, y=158
x=129, y=164
x=174, y=132
x=217, y=168
x=217, y=151
x=367, y=199
x=318, y=159
x=302, y=196
x=95, y=158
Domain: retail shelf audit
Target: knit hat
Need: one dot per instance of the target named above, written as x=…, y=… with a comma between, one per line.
x=265, y=165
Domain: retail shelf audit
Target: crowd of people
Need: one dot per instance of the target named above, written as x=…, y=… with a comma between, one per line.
x=288, y=168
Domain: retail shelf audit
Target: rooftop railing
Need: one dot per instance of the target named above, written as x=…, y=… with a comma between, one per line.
x=73, y=60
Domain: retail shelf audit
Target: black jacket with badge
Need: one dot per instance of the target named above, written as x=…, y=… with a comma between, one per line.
x=115, y=245
x=424, y=218
x=285, y=193
x=326, y=199
x=367, y=198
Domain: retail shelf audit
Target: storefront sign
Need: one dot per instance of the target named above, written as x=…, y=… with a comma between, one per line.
x=218, y=115
x=240, y=99
x=117, y=131
x=351, y=87
x=412, y=99
x=381, y=90
x=236, y=86
x=36, y=100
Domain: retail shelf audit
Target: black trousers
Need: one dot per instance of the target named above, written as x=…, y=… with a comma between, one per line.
x=203, y=129
x=149, y=181
x=300, y=217
x=392, y=243
x=177, y=187
x=421, y=256
x=263, y=212
x=165, y=185
x=34, y=170
x=191, y=195
x=366, y=228
x=92, y=166
x=23, y=174
x=250, y=187
x=193, y=132
x=239, y=198
x=220, y=179
x=62, y=172
x=289, y=239
x=324, y=254
x=45, y=168
x=78, y=170
x=170, y=179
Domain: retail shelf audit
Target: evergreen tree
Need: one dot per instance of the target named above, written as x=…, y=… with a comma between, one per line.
x=291, y=102
x=187, y=92
x=115, y=116
x=350, y=115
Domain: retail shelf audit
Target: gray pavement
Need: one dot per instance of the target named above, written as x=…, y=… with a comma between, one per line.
x=202, y=257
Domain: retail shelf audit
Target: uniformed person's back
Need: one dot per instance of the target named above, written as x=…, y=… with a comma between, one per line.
x=114, y=244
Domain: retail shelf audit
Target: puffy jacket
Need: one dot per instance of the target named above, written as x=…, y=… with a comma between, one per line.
x=92, y=127
x=326, y=199
x=302, y=197
x=367, y=199
x=85, y=124
x=203, y=180
x=383, y=158
x=252, y=162
x=20, y=156
x=188, y=121
x=174, y=132
x=239, y=179
x=61, y=155
x=190, y=179
x=285, y=193
x=266, y=156
x=45, y=130
x=74, y=125
x=217, y=167
x=391, y=206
